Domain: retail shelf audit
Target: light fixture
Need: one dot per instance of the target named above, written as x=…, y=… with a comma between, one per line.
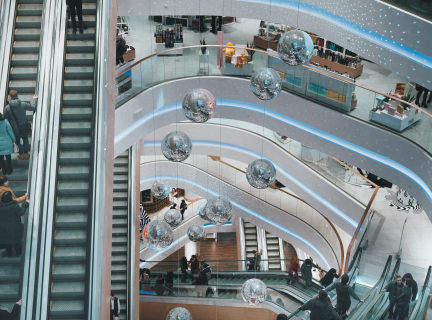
x=160, y=189
x=295, y=47
x=179, y=313
x=158, y=235
x=176, y=146
x=202, y=211
x=219, y=210
x=199, y=105
x=196, y=233
x=260, y=173
x=173, y=217
x=254, y=292
x=266, y=84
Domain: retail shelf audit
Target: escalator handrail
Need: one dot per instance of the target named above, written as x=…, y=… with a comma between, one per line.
x=422, y=297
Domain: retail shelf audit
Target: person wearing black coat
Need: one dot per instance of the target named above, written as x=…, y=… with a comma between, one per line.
x=414, y=287
x=159, y=286
x=321, y=308
x=169, y=279
x=403, y=300
x=183, y=207
x=393, y=288
x=11, y=228
x=328, y=278
x=75, y=8
x=14, y=314
x=183, y=268
x=120, y=49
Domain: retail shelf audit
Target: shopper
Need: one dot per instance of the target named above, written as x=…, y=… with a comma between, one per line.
x=414, y=287
x=183, y=208
x=4, y=187
x=11, y=228
x=120, y=50
x=321, y=308
x=328, y=277
x=15, y=113
x=160, y=283
x=144, y=281
x=394, y=289
x=75, y=8
x=14, y=314
x=7, y=139
x=114, y=307
x=169, y=279
x=293, y=270
x=306, y=270
x=184, y=268
x=202, y=284
x=194, y=265
x=403, y=300
x=282, y=316
x=343, y=291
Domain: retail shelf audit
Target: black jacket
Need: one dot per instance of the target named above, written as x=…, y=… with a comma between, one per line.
x=169, y=278
x=14, y=315
x=120, y=47
x=414, y=287
x=202, y=280
x=116, y=309
x=320, y=310
x=392, y=288
x=328, y=278
x=70, y=2
x=11, y=228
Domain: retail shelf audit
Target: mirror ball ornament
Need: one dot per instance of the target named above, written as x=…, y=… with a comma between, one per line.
x=254, y=291
x=179, y=314
x=173, y=217
x=160, y=189
x=176, y=146
x=266, y=84
x=199, y=105
x=202, y=210
x=196, y=233
x=295, y=47
x=158, y=235
x=219, y=210
x=260, y=173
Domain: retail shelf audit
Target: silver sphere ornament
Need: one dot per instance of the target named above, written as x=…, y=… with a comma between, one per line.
x=260, y=173
x=160, y=189
x=202, y=210
x=254, y=292
x=295, y=47
x=196, y=233
x=179, y=314
x=219, y=210
x=199, y=105
x=266, y=84
x=176, y=146
x=158, y=235
x=173, y=217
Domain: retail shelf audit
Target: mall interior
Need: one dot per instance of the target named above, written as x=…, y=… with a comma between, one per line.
x=215, y=159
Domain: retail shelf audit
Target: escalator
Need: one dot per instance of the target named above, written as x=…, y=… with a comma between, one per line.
x=251, y=239
x=119, y=262
x=273, y=252
x=69, y=272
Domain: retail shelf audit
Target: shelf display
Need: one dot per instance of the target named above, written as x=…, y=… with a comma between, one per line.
x=238, y=61
x=169, y=36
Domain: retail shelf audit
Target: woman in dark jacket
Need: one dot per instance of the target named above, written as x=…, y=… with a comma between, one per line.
x=11, y=228
x=306, y=270
x=328, y=278
x=7, y=139
x=120, y=49
x=183, y=268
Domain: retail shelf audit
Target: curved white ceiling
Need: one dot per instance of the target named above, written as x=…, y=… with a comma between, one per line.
x=325, y=129
x=246, y=206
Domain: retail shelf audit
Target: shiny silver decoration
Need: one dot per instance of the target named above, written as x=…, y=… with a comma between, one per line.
x=254, y=292
x=266, y=84
x=179, y=314
x=295, y=47
x=199, y=105
x=196, y=233
x=219, y=210
x=260, y=173
x=176, y=146
x=173, y=217
x=158, y=235
x=160, y=189
x=202, y=210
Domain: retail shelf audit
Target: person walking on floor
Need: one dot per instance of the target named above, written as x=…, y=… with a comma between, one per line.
x=183, y=208
x=7, y=140
x=15, y=113
x=321, y=308
x=114, y=307
x=4, y=187
x=306, y=270
x=75, y=8
x=394, y=289
x=344, y=292
x=11, y=228
x=14, y=314
x=328, y=277
x=293, y=270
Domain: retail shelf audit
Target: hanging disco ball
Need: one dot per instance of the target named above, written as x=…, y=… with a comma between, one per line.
x=260, y=173
x=160, y=189
x=173, y=217
x=254, y=291
x=176, y=146
x=218, y=210
x=202, y=210
x=179, y=314
x=199, y=105
x=196, y=233
x=266, y=84
x=157, y=235
x=295, y=47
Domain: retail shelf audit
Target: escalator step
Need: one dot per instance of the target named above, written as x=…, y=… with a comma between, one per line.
x=84, y=72
x=69, y=254
x=120, y=170
x=29, y=10
x=88, y=21
x=119, y=187
x=80, y=46
x=119, y=240
x=25, y=59
x=270, y=236
x=273, y=247
x=27, y=86
x=72, y=203
x=251, y=231
x=70, y=237
x=75, y=142
x=121, y=162
x=67, y=308
x=78, y=86
x=120, y=204
x=274, y=266
x=249, y=225
x=19, y=175
x=119, y=278
x=120, y=231
x=251, y=243
x=273, y=241
x=9, y=291
x=77, y=99
x=69, y=157
x=9, y=274
x=118, y=196
x=120, y=178
x=251, y=237
x=23, y=73
x=80, y=59
x=273, y=254
x=119, y=268
x=78, y=113
x=120, y=213
x=117, y=222
x=28, y=22
x=67, y=188
x=73, y=172
x=76, y=127
x=71, y=220
x=67, y=289
x=120, y=259
x=68, y=271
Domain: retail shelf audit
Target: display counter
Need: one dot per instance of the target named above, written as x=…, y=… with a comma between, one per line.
x=262, y=43
x=334, y=66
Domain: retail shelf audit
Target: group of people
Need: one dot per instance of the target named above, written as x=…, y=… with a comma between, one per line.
x=306, y=271
x=183, y=207
x=401, y=291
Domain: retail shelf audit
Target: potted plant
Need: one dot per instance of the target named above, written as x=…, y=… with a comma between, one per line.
x=203, y=49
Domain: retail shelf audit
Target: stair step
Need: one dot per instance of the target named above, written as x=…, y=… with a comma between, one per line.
x=68, y=271
x=80, y=59
x=72, y=203
x=71, y=220
x=23, y=73
x=74, y=171
x=28, y=21
x=69, y=254
x=67, y=289
x=74, y=157
x=70, y=237
x=75, y=142
x=67, y=308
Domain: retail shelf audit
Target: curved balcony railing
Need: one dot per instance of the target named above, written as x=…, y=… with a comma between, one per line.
x=314, y=83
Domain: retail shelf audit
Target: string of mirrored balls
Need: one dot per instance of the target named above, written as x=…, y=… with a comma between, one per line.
x=295, y=48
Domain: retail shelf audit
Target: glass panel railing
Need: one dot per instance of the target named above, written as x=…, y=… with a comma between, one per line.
x=418, y=310
x=389, y=112
x=420, y=8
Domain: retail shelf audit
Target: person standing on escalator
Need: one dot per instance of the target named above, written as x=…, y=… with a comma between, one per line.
x=344, y=293
x=75, y=8
x=393, y=288
x=306, y=270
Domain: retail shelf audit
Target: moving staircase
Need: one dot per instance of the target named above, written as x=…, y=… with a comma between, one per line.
x=23, y=74
x=251, y=239
x=273, y=252
x=70, y=271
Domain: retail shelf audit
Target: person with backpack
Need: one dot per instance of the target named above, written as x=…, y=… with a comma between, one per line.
x=120, y=50
x=183, y=208
x=15, y=113
x=7, y=139
x=343, y=291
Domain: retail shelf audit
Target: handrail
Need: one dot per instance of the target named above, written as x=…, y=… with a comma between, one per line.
x=400, y=242
x=422, y=297
x=273, y=54
x=292, y=195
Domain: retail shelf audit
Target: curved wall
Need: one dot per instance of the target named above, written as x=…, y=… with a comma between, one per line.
x=379, y=151
x=380, y=33
x=246, y=206
x=246, y=146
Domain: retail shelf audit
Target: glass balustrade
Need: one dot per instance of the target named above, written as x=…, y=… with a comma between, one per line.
x=420, y=8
